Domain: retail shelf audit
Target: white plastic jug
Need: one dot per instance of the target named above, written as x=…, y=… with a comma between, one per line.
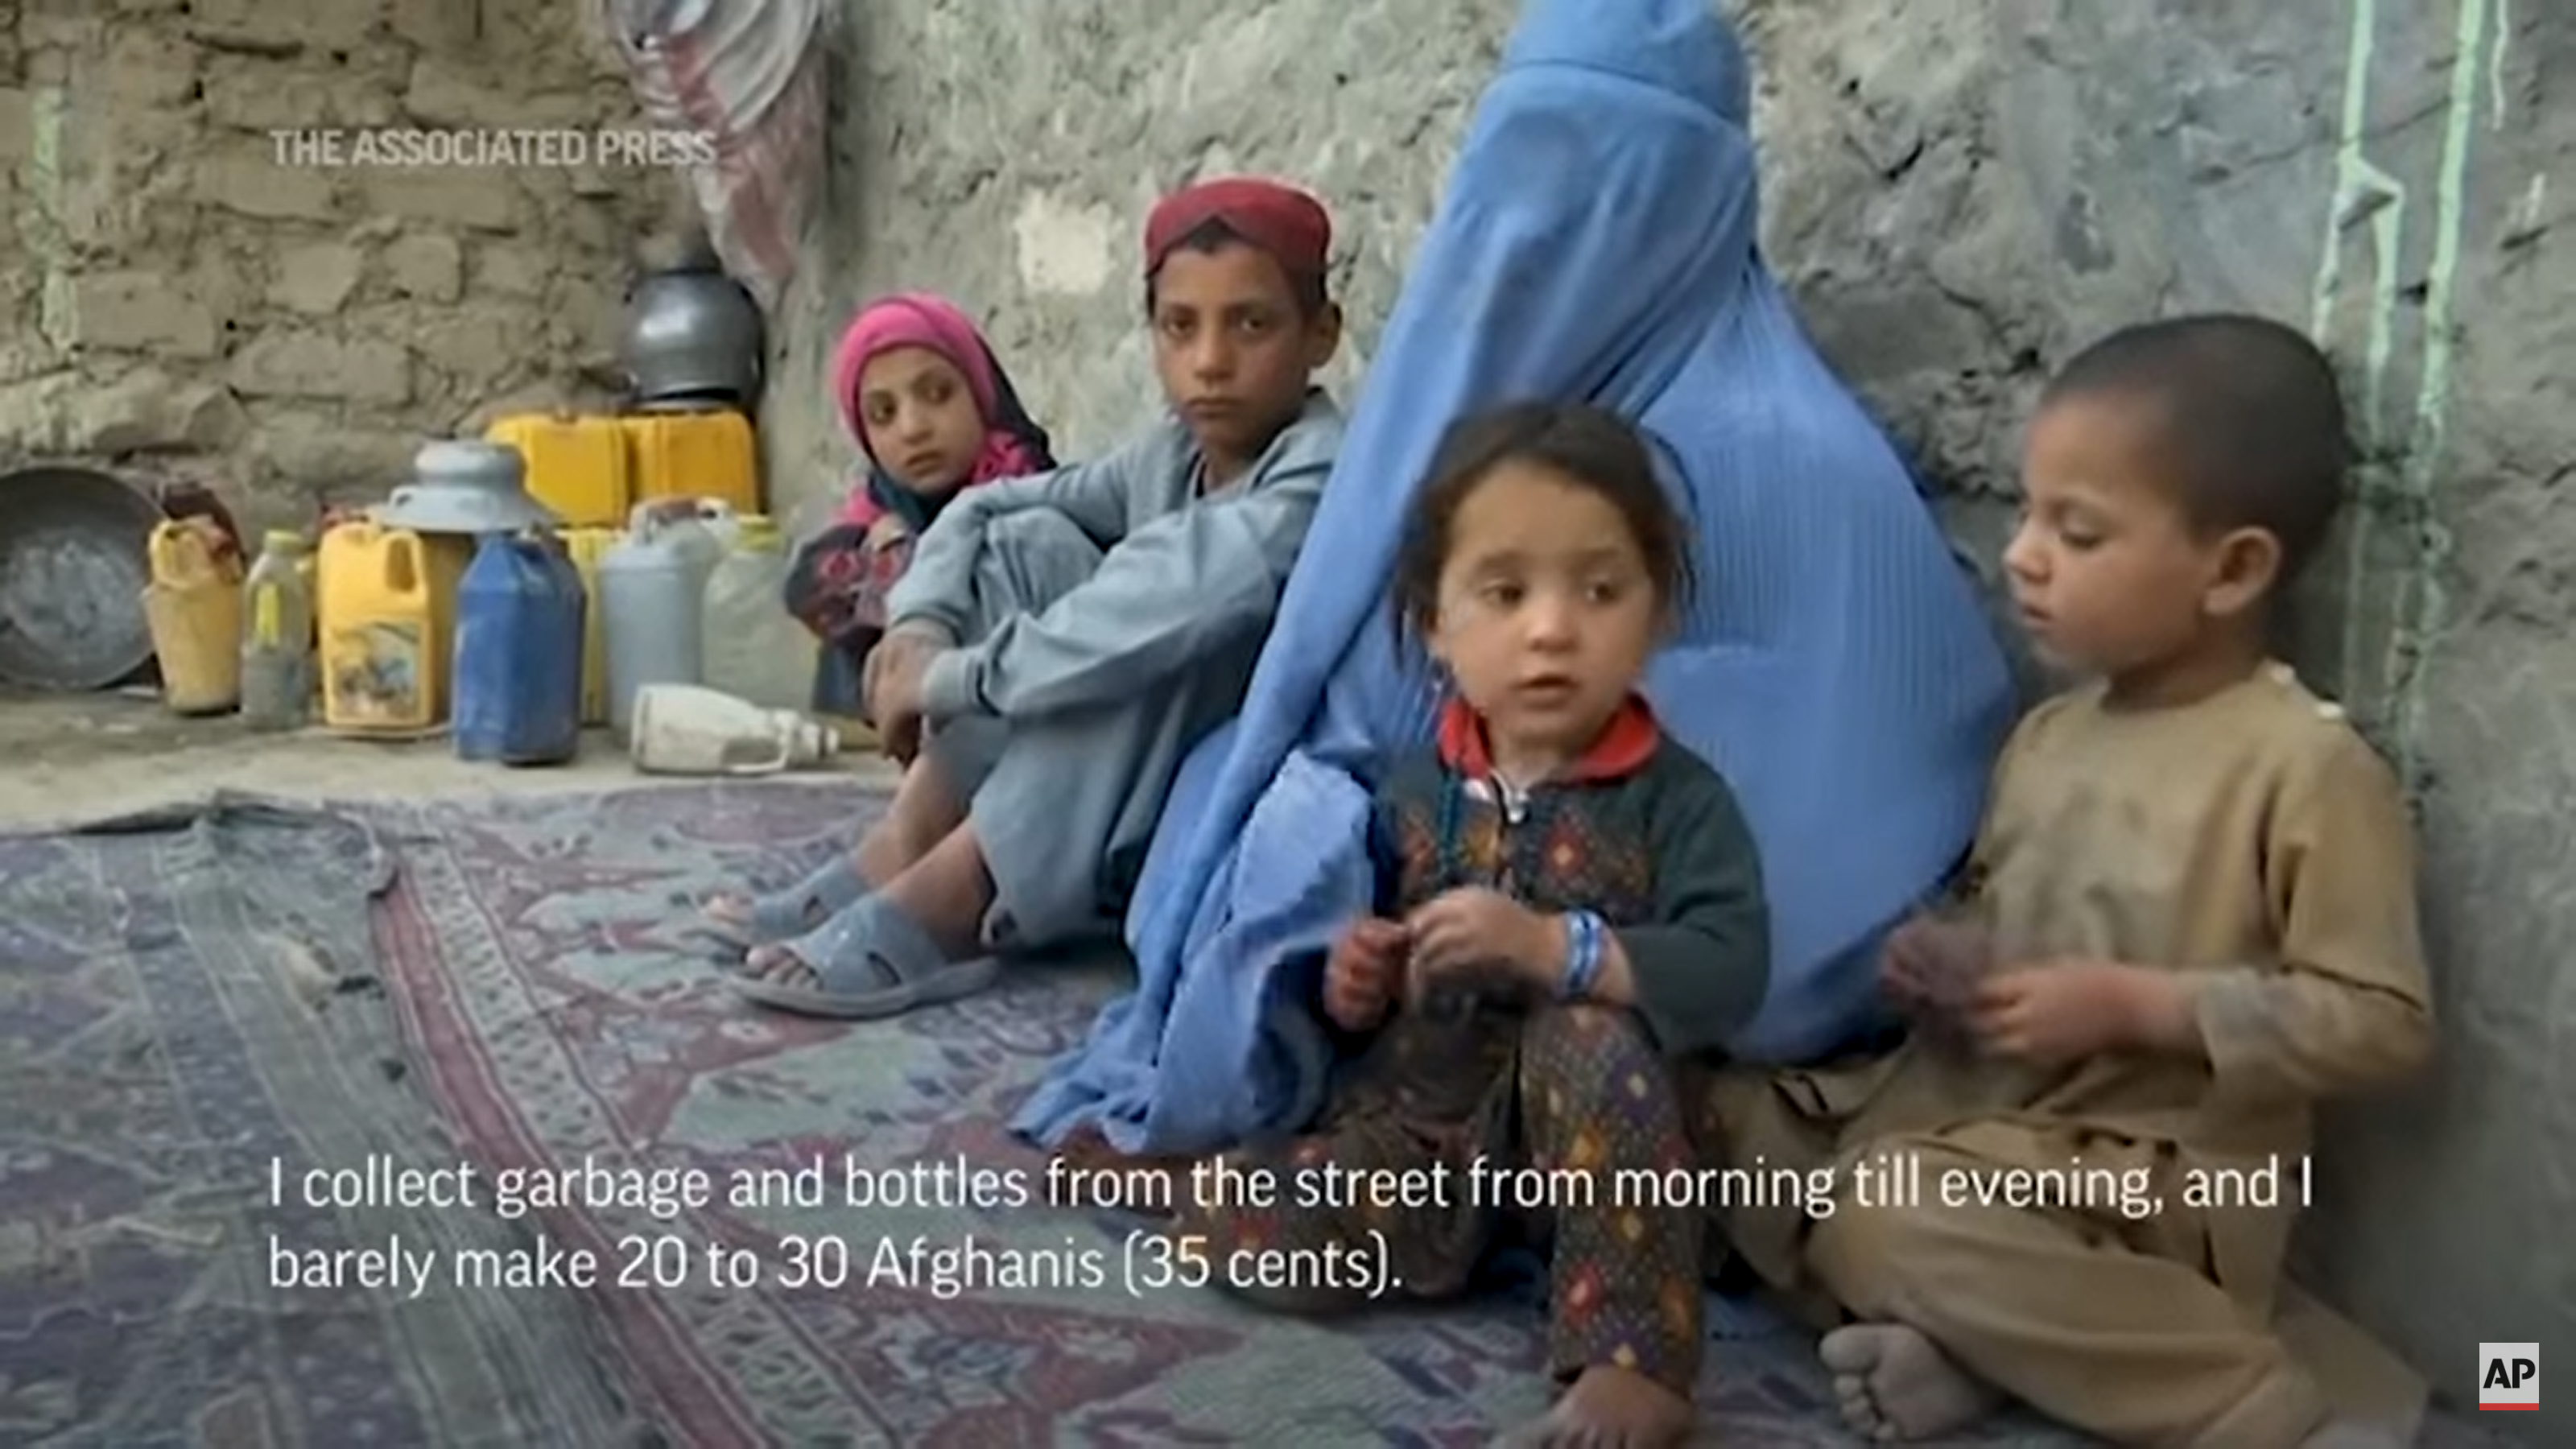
x=686, y=729
x=755, y=650
x=650, y=585
x=717, y=519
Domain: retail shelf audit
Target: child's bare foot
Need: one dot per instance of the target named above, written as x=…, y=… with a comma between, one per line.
x=1611, y=1408
x=1894, y=1384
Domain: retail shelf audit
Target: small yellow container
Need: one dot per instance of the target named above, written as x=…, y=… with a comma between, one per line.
x=711, y=454
x=386, y=605
x=193, y=607
x=587, y=546
x=579, y=466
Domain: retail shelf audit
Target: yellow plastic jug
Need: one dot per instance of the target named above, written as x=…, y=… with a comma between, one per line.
x=193, y=607
x=387, y=609
x=578, y=466
x=587, y=546
x=703, y=454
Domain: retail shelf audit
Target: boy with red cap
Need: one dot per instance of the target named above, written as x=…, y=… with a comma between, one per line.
x=1060, y=641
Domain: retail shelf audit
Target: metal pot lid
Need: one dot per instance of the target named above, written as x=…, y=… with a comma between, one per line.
x=424, y=509
x=466, y=486
x=470, y=462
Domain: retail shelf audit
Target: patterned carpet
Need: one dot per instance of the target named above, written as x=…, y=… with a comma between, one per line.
x=186, y=1006
x=183, y=1000
x=537, y=952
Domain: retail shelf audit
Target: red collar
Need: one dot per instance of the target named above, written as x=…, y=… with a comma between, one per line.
x=1625, y=745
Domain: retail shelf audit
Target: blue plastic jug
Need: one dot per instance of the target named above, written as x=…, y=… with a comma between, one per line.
x=519, y=615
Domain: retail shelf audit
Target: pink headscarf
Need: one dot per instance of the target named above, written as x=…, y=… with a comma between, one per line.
x=1014, y=446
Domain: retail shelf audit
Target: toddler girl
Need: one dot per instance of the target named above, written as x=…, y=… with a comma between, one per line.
x=1570, y=904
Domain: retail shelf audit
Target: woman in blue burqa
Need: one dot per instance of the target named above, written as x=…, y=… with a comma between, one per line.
x=1596, y=242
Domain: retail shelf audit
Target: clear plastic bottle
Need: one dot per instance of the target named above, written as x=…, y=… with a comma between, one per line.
x=277, y=674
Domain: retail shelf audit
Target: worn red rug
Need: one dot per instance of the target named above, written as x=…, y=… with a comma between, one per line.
x=190, y=1012
x=565, y=1017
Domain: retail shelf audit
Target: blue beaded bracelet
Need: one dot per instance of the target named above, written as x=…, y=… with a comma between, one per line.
x=1582, y=956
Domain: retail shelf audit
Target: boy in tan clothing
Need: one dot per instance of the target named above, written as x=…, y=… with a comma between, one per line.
x=2190, y=915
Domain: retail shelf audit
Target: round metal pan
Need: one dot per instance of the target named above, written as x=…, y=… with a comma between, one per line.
x=74, y=560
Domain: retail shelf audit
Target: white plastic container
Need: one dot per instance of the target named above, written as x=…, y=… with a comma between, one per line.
x=683, y=729
x=719, y=523
x=650, y=586
x=755, y=650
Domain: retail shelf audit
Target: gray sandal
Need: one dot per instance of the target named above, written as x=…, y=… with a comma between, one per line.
x=783, y=915
x=870, y=960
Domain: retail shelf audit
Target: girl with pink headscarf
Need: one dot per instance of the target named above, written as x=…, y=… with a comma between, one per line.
x=932, y=413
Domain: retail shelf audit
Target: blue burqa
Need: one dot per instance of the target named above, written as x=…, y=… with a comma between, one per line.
x=1596, y=242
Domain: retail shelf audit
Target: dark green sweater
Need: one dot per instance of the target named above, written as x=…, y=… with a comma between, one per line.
x=1641, y=832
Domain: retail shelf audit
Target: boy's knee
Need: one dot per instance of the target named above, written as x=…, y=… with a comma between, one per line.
x=1044, y=531
x=1030, y=558
x=1883, y=1258
x=1039, y=546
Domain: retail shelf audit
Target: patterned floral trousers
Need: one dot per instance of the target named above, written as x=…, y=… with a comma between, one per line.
x=1531, y=1113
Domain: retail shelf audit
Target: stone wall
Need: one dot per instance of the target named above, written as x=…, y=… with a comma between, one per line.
x=1959, y=195
x=179, y=295
x=1958, y=208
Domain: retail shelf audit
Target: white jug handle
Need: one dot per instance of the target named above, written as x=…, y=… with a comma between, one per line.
x=770, y=766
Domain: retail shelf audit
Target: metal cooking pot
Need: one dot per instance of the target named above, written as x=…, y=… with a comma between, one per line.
x=74, y=560
x=466, y=486
x=693, y=335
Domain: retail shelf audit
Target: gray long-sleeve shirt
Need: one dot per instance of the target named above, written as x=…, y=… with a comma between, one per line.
x=1181, y=576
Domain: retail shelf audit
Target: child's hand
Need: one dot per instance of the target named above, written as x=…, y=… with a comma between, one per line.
x=2057, y=1012
x=1904, y=968
x=891, y=686
x=1932, y=967
x=887, y=531
x=1360, y=977
x=901, y=730
x=1474, y=932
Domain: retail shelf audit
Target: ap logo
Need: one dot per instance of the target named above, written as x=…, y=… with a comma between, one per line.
x=2508, y=1376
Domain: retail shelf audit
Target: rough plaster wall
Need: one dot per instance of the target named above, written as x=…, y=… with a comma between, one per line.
x=1011, y=166
x=175, y=300
x=1959, y=195
x=1960, y=206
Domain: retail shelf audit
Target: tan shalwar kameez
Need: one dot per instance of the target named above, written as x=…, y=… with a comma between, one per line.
x=2257, y=843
